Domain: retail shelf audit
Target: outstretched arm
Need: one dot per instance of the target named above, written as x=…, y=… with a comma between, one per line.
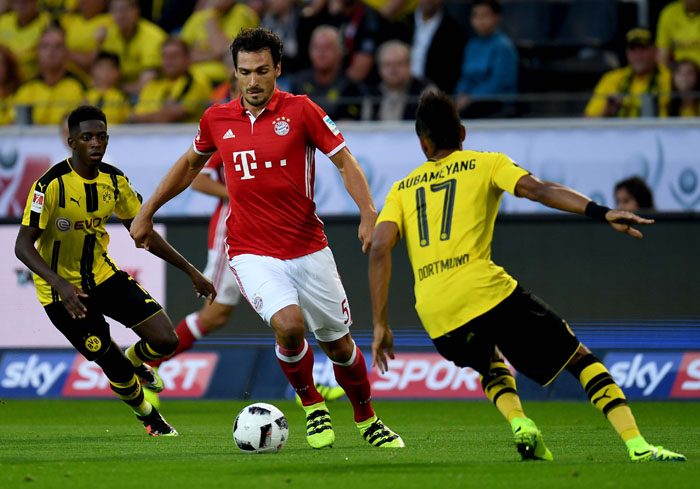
x=27, y=254
x=561, y=197
x=159, y=247
x=356, y=185
x=178, y=178
x=386, y=235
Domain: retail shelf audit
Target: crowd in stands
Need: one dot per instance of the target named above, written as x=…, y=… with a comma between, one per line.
x=146, y=61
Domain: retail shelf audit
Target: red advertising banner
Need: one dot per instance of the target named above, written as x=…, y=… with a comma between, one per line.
x=425, y=375
x=187, y=375
x=687, y=384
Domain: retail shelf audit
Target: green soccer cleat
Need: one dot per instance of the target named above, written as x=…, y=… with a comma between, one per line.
x=655, y=454
x=529, y=441
x=152, y=397
x=156, y=425
x=327, y=392
x=330, y=393
x=149, y=378
x=377, y=434
x=319, y=430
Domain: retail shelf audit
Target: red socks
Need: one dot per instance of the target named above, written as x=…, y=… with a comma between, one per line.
x=298, y=367
x=352, y=376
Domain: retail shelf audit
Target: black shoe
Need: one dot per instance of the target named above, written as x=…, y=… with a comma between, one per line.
x=156, y=425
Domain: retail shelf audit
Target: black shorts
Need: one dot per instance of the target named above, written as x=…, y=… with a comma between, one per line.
x=120, y=297
x=534, y=339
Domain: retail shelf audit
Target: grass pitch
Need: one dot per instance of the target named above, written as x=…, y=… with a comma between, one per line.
x=100, y=445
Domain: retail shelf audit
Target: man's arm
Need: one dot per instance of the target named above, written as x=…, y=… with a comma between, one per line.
x=356, y=185
x=386, y=235
x=178, y=178
x=207, y=185
x=561, y=197
x=27, y=254
x=164, y=250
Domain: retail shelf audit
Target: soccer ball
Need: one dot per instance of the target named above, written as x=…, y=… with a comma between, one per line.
x=260, y=428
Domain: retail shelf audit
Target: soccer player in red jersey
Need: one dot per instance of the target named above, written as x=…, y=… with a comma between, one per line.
x=277, y=248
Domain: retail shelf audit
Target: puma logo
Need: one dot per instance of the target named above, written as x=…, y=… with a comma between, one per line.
x=605, y=394
x=76, y=201
x=41, y=186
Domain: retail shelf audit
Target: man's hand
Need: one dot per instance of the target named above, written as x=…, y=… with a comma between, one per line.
x=141, y=230
x=622, y=221
x=203, y=286
x=70, y=296
x=366, y=230
x=382, y=346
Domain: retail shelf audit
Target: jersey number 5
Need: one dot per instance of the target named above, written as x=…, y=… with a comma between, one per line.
x=450, y=188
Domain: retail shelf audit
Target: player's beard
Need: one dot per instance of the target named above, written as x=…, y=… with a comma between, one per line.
x=257, y=102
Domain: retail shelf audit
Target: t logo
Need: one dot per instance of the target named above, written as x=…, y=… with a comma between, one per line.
x=244, y=163
x=248, y=163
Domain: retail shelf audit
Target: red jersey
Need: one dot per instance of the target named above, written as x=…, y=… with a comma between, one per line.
x=217, y=224
x=269, y=163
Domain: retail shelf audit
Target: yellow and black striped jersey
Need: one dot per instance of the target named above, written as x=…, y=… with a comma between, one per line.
x=72, y=212
x=446, y=210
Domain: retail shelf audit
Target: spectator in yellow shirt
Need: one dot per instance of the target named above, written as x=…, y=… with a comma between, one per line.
x=105, y=92
x=177, y=96
x=20, y=30
x=9, y=82
x=678, y=32
x=209, y=33
x=56, y=90
x=136, y=41
x=642, y=88
x=86, y=30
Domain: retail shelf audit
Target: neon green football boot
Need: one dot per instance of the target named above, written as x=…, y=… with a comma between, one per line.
x=377, y=434
x=641, y=451
x=319, y=430
x=529, y=441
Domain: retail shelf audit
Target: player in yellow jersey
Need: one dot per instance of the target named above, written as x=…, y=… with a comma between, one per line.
x=474, y=312
x=76, y=280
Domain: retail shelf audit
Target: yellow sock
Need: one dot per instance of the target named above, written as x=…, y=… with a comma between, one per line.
x=499, y=387
x=622, y=420
x=133, y=358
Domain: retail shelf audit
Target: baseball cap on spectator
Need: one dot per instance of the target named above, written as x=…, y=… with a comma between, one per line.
x=639, y=38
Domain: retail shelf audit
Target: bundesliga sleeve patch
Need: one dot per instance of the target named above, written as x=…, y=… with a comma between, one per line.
x=331, y=125
x=37, y=202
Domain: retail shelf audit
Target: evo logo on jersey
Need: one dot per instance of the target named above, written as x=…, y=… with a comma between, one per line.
x=90, y=223
x=33, y=374
x=644, y=375
x=248, y=164
x=38, y=201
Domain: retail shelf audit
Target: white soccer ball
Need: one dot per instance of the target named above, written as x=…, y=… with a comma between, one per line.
x=260, y=428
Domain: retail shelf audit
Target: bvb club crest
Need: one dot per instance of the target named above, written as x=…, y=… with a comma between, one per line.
x=281, y=126
x=93, y=343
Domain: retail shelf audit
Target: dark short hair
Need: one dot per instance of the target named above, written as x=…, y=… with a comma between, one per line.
x=639, y=189
x=111, y=57
x=254, y=40
x=438, y=121
x=494, y=5
x=178, y=41
x=82, y=114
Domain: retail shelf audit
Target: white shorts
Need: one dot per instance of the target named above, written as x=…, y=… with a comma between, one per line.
x=217, y=270
x=311, y=282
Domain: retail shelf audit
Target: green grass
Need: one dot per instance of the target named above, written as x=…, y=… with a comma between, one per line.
x=99, y=445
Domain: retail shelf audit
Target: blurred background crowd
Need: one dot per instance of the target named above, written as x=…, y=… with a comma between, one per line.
x=164, y=61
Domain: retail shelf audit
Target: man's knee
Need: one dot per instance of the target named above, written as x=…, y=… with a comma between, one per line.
x=288, y=325
x=115, y=365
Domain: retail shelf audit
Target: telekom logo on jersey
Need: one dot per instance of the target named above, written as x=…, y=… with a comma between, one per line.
x=245, y=161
